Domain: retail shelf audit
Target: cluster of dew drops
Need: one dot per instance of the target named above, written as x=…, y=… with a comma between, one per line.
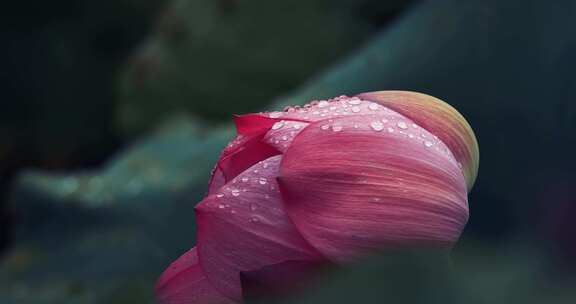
x=344, y=105
x=243, y=183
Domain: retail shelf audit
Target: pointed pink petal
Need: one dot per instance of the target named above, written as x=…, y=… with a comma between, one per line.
x=243, y=227
x=253, y=123
x=251, y=150
x=362, y=183
x=184, y=282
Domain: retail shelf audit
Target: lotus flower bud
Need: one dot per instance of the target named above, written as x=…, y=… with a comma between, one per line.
x=333, y=181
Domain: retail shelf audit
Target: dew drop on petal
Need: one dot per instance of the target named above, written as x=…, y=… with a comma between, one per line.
x=325, y=127
x=262, y=181
x=411, y=135
x=278, y=125
x=219, y=195
x=355, y=109
x=244, y=179
x=235, y=192
x=253, y=220
x=253, y=207
x=297, y=126
x=428, y=144
x=390, y=130
x=377, y=126
x=414, y=125
x=373, y=106
x=284, y=137
x=323, y=103
x=402, y=125
x=275, y=114
x=384, y=120
x=221, y=206
x=336, y=128
x=354, y=101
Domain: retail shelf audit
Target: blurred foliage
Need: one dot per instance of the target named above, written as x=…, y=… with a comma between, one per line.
x=215, y=58
x=104, y=236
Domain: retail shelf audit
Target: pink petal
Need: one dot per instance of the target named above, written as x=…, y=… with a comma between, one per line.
x=360, y=184
x=251, y=150
x=253, y=123
x=440, y=119
x=245, y=150
x=184, y=282
x=243, y=227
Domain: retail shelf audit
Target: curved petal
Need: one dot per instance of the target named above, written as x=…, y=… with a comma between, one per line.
x=248, y=148
x=243, y=227
x=184, y=282
x=440, y=119
x=362, y=183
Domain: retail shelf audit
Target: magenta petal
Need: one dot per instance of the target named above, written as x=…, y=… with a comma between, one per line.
x=253, y=123
x=363, y=183
x=243, y=227
x=184, y=282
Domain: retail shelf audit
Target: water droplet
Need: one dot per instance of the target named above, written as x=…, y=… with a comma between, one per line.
x=219, y=195
x=262, y=181
x=428, y=144
x=253, y=207
x=414, y=125
x=315, y=112
x=355, y=109
x=284, y=137
x=323, y=103
x=373, y=106
x=275, y=114
x=235, y=192
x=390, y=130
x=377, y=126
x=402, y=125
x=256, y=171
x=354, y=101
x=356, y=126
x=221, y=206
x=297, y=126
x=333, y=108
x=325, y=127
x=278, y=125
x=253, y=220
x=265, y=165
x=336, y=128
x=384, y=120
x=411, y=135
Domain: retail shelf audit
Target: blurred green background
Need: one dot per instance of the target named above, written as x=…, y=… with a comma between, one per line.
x=113, y=113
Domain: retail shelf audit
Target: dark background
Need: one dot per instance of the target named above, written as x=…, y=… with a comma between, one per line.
x=112, y=112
